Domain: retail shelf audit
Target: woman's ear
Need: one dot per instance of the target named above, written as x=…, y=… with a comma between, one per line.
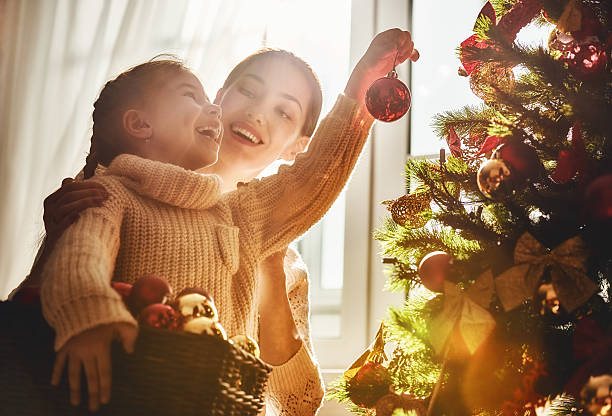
x=135, y=123
x=297, y=146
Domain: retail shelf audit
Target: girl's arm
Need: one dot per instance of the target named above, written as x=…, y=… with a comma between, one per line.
x=79, y=303
x=277, y=209
x=76, y=294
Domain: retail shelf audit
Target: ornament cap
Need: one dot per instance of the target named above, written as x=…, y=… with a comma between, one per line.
x=392, y=74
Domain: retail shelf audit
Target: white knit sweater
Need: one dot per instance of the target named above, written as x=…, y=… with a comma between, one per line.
x=161, y=219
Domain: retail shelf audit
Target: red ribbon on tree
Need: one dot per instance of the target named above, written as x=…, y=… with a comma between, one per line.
x=489, y=144
x=469, y=65
x=454, y=142
x=510, y=24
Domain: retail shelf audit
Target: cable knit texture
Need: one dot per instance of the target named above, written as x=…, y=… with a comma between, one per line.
x=161, y=219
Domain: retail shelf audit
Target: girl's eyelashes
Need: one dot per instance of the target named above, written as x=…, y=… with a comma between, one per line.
x=190, y=94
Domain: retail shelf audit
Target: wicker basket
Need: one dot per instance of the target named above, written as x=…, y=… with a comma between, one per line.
x=170, y=373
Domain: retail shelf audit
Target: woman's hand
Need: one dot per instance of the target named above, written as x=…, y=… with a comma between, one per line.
x=63, y=206
x=61, y=209
x=91, y=349
x=378, y=60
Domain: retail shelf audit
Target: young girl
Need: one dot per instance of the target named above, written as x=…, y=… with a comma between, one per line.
x=266, y=222
x=295, y=386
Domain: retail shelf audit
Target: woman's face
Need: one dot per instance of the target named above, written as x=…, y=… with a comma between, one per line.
x=264, y=111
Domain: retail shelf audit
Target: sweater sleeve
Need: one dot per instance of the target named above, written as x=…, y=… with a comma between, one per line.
x=279, y=208
x=76, y=294
x=296, y=387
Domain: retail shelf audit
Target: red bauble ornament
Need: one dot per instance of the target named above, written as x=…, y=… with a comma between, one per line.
x=521, y=158
x=27, y=295
x=388, y=98
x=598, y=199
x=159, y=315
x=587, y=60
x=124, y=289
x=369, y=384
x=433, y=270
x=146, y=291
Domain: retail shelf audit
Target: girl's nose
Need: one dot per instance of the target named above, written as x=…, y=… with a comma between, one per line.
x=214, y=110
x=254, y=115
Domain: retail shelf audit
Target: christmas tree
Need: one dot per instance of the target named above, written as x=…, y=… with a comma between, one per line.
x=504, y=247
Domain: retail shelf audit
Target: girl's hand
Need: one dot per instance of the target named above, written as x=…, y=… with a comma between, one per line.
x=63, y=206
x=378, y=60
x=91, y=349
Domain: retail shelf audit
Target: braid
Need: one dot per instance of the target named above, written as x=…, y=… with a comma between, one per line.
x=91, y=163
x=130, y=86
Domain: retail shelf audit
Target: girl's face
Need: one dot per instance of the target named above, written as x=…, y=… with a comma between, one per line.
x=264, y=111
x=185, y=125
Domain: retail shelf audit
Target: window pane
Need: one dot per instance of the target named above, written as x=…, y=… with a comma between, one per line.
x=435, y=84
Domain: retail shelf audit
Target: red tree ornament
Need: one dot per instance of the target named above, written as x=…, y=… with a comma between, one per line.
x=587, y=60
x=388, y=98
x=433, y=270
x=123, y=289
x=598, y=199
x=521, y=158
x=146, y=291
x=159, y=315
x=27, y=295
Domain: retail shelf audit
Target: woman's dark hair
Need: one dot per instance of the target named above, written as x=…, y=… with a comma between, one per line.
x=316, y=101
x=130, y=87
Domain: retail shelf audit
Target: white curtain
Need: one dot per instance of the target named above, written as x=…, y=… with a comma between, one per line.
x=55, y=55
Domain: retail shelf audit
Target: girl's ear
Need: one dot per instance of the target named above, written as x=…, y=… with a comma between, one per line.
x=135, y=123
x=292, y=149
x=217, y=99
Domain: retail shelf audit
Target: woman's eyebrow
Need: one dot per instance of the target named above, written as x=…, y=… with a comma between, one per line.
x=284, y=95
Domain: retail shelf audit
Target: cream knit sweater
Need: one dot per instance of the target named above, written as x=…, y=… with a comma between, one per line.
x=161, y=219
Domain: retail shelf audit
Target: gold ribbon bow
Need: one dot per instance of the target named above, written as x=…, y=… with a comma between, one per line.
x=375, y=352
x=567, y=264
x=466, y=313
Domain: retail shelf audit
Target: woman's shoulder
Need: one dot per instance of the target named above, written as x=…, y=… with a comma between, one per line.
x=295, y=267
